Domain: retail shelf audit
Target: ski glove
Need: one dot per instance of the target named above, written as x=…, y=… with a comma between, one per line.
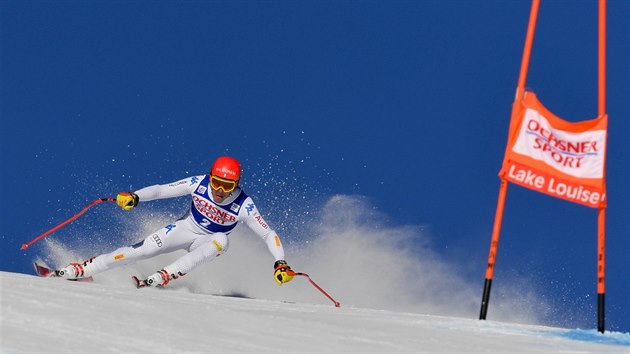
x=127, y=200
x=283, y=272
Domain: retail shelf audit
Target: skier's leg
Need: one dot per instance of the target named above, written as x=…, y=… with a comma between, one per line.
x=203, y=249
x=167, y=239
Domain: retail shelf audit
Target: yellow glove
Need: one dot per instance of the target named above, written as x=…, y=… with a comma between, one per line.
x=283, y=273
x=127, y=200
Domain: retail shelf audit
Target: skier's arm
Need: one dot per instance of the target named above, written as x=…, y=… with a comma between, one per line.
x=255, y=221
x=171, y=190
x=282, y=272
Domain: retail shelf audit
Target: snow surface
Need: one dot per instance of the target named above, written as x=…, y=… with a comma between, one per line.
x=397, y=295
x=57, y=316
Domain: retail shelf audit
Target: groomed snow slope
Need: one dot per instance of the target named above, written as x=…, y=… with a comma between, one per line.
x=52, y=315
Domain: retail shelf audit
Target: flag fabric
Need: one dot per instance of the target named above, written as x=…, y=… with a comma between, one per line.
x=556, y=157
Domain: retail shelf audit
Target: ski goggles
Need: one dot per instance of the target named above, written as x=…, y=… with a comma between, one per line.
x=227, y=185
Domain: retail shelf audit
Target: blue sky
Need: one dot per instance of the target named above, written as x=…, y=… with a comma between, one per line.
x=405, y=103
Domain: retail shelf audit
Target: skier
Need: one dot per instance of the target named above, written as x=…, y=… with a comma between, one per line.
x=218, y=203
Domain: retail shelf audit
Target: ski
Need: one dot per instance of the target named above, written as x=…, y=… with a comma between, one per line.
x=43, y=271
x=138, y=283
x=46, y=272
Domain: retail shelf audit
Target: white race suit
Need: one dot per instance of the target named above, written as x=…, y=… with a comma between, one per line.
x=202, y=232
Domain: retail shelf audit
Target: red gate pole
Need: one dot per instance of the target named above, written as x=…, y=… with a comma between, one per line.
x=601, y=213
x=498, y=218
x=494, y=244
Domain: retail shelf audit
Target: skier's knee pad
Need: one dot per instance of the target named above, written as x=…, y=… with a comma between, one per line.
x=220, y=242
x=211, y=245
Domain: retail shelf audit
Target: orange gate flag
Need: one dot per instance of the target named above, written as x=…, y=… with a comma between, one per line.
x=556, y=157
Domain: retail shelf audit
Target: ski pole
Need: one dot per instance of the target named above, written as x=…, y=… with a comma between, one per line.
x=25, y=246
x=292, y=273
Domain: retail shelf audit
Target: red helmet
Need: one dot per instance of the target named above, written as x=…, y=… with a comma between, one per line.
x=226, y=167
